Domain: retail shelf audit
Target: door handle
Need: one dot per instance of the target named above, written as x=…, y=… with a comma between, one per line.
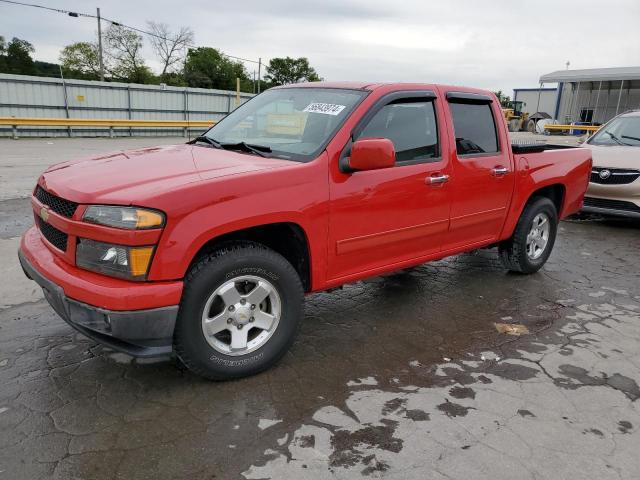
x=437, y=179
x=499, y=171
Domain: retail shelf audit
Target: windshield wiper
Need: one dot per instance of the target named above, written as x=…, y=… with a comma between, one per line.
x=205, y=139
x=631, y=138
x=615, y=138
x=261, y=150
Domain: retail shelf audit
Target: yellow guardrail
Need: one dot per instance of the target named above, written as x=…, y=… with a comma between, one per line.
x=587, y=128
x=111, y=123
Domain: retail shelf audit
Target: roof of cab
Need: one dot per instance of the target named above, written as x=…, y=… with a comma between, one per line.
x=392, y=85
x=346, y=85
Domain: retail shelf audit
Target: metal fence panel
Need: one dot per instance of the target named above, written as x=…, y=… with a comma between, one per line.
x=28, y=96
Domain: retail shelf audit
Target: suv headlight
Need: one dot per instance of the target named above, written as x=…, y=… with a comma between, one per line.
x=131, y=218
x=131, y=263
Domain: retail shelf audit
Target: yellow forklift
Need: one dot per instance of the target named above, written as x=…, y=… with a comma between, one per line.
x=517, y=120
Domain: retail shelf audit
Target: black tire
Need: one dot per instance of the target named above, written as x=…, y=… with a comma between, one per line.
x=513, y=252
x=202, y=280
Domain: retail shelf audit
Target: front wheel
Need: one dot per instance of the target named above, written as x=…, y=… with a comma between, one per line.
x=239, y=313
x=533, y=239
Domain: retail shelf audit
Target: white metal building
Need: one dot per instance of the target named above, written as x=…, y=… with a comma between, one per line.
x=594, y=95
x=536, y=99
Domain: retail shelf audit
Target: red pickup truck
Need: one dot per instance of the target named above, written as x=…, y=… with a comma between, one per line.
x=206, y=249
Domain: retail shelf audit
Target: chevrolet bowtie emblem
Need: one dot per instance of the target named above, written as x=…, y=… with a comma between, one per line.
x=44, y=215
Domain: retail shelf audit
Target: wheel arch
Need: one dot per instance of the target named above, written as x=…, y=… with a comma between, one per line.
x=288, y=239
x=554, y=191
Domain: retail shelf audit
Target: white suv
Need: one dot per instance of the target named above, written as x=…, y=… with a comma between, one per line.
x=614, y=187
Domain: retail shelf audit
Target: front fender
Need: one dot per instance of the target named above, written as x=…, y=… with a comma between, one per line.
x=299, y=196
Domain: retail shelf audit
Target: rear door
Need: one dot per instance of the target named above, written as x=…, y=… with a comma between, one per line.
x=482, y=180
x=382, y=217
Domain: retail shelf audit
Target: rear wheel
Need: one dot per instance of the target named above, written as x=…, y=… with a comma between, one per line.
x=533, y=239
x=239, y=313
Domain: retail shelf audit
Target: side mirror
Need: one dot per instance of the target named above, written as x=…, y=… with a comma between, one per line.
x=372, y=154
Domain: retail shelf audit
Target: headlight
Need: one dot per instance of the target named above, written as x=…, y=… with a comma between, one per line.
x=131, y=263
x=131, y=218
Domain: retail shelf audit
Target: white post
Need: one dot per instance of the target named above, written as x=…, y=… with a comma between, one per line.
x=595, y=110
x=259, y=72
x=619, y=96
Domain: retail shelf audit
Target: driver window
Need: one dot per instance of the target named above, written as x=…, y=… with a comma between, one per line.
x=412, y=128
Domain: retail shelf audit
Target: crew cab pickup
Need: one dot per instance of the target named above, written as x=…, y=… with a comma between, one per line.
x=206, y=249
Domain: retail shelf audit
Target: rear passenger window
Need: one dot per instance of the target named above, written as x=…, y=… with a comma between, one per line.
x=411, y=126
x=474, y=127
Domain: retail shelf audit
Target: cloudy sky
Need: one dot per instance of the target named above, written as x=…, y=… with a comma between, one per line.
x=497, y=44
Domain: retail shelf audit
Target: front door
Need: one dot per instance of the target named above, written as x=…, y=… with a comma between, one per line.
x=380, y=218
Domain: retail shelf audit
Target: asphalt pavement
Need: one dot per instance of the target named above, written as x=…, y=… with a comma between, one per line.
x=416, y=375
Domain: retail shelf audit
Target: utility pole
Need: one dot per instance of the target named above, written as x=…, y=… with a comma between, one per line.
x=259, y=69
x=100, y=47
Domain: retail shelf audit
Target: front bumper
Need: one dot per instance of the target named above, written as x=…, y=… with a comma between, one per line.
x=611, y=211
x=622, y=200
x=611, y=206
x=141, y=332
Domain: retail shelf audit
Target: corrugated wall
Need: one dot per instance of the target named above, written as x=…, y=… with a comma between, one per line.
x=26, y=96
x=585, y=96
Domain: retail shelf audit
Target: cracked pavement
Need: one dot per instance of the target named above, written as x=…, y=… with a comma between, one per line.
x=399, y=377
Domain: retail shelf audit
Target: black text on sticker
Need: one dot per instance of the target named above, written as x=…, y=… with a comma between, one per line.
x=326, y=108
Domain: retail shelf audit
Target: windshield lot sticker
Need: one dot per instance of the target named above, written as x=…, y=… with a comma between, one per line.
x=326, y=108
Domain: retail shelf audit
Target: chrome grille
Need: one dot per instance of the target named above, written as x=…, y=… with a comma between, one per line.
x=54, y=236
x=615, y=176
x=63, y=207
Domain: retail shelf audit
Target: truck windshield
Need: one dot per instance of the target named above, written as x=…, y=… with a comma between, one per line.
x=620, y=131
x=289, y=123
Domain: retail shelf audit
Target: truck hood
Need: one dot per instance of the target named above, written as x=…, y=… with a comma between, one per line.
x=133, y=176
x=615, y=156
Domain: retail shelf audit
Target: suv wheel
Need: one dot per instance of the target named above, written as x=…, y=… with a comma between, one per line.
x=239, y=313
x=533, y=239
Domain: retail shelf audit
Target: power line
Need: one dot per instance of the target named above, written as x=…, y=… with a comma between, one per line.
x=71, y=14
x=118, y=24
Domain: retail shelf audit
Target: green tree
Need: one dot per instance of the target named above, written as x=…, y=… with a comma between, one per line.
x=282, y=71
x=124, y=52
x=46, y=69
x=15, y=57
x=81, y=60
x=207, y=67
x=122, y=58
x=3, y=54
x=175, y=79
x=504, y=100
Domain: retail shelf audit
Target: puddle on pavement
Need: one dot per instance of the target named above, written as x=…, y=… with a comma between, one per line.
x=375, y=430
